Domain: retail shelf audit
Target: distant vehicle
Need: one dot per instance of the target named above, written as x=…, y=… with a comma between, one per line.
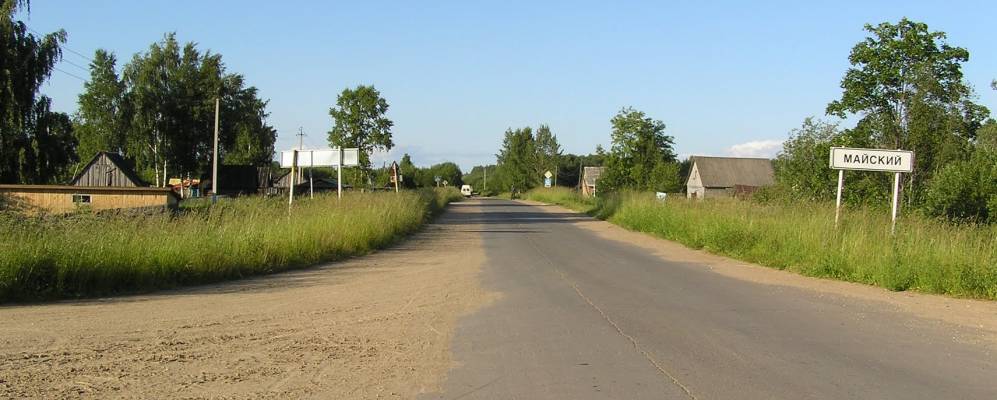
x=465, y=190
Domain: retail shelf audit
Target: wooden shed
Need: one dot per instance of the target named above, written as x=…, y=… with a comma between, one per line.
x=34, y=199
x=727, y=176
x=590, y=177
x=107, y=170
x=237, y=180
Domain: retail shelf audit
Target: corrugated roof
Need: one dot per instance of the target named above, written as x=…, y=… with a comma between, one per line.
x=591, y=175
x=726, y=172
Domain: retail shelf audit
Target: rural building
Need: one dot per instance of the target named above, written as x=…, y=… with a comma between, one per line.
x=104, y=183
x=107, y=170
x=727, y=176
x=282, y=182
x=235, y=180
x=590, y=176
x=34, y=199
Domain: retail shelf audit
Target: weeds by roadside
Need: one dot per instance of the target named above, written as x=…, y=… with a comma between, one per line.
x=92, y=254
x=925, y=255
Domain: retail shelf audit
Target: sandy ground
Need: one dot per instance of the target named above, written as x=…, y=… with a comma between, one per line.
x=373, y=327
x=979, y=316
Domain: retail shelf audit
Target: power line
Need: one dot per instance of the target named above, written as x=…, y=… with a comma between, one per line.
x=62, y=47
x=70, y=74
x=76, y=65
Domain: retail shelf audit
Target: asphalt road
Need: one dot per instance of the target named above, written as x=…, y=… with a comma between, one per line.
x=581, y=317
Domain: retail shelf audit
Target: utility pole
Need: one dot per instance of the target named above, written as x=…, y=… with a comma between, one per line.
x=214, y=162
x=485, y=184
x=301, y=140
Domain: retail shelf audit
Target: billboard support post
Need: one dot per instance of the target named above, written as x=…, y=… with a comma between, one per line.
x=294, y=167
x=339, y=175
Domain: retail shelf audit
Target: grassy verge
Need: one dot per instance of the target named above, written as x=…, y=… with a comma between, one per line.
x=925, y=255
x=92, y=254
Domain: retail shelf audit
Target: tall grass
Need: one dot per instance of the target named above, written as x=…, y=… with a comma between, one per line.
x=925, y=255
x=90, y=254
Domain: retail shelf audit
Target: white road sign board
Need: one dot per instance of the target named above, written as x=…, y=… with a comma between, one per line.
x=320, y=158
x=872, y=159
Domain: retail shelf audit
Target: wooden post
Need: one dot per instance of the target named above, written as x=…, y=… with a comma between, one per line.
x=294, y=165
x=214, y=163
x=837, y=203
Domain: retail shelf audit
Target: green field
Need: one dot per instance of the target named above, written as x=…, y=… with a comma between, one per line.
x=95, y=254
x=925, y=255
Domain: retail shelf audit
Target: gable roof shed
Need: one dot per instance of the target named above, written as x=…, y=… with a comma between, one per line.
x=727, y=172
x=107, y=169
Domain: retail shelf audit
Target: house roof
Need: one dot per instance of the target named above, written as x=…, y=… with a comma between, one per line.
x=591, y=175
x=118, y=162
x=728, y=171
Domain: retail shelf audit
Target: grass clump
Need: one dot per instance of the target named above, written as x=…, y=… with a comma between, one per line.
x=926, y=255
x=94, y=254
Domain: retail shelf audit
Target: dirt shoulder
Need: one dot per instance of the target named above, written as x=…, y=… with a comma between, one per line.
x=373, y=327
x=979, y=316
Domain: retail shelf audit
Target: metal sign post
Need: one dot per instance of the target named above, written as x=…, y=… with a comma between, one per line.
x=339, y=175
x=837, y=203
x=896, y=161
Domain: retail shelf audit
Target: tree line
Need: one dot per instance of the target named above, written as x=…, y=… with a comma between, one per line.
x=906, y=88
x=641, y=157
x=157, y=111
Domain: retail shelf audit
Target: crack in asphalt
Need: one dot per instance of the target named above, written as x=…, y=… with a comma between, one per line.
x=633, y=341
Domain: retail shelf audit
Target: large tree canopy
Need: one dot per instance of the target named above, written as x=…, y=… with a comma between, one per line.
x=36, y=144
x=906, y=85
x=641, y=156
x=160, y=112
x=360, y=121
x=516, y=161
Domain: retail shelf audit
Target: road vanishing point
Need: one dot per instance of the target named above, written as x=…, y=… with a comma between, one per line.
x=568, y=308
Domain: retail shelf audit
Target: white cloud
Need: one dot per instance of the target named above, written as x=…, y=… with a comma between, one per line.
x=755, y=148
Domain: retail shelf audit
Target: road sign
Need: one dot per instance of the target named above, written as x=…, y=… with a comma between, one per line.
x=872, y=159
x=348, y=157
x=895, y=161
x=548, y=175
x=547, y=182
x=320, y=157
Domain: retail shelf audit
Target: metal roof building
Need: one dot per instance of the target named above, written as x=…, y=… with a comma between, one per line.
x=724, y=176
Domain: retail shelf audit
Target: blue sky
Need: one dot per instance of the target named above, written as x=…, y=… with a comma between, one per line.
x=726, y=78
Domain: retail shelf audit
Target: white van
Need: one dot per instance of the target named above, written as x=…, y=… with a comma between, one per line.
x=465, y=190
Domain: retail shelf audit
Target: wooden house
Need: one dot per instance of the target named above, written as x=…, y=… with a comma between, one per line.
x=727, y=176
x=58, y=199
x=104, y=183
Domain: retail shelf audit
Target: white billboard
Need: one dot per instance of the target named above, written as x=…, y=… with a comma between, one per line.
x=872, y=159
x=320, y=158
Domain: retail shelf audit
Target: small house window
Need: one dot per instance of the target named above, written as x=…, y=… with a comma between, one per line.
x=81, y=198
